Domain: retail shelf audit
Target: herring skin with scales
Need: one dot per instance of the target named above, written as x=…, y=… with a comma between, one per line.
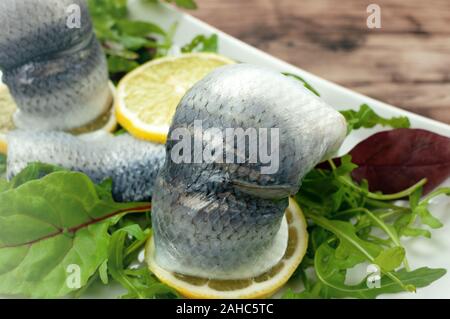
x=57, y=73
x=132, y=164
x=225, y=220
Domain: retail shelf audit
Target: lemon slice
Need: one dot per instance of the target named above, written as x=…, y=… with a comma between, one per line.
x=106, y=122
x=263, y=286
x=148, y=96
x=7, y=110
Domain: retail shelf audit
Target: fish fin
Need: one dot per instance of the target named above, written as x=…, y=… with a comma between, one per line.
x=265, y=192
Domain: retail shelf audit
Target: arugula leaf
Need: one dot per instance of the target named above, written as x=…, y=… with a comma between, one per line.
x=306, y=294
x=306, y=84
x=138, y=28
x=390, y=259
x=127, y=43
x=365, y=117
x=331, y=272
x=51, y=226
x=342, y=218
x=349, y=241
x=117, y=64
x=202, y=43
x=120, y=131
x=419, y=208
x=424, y=213
x=115, y=8
x=186, y=4
x=135, y=231
x=346, y=166
x=352, y=249
x=139, y=282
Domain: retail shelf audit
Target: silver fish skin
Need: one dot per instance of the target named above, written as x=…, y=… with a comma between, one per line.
x=132, y=164
x=226, y=220
x=56, y=73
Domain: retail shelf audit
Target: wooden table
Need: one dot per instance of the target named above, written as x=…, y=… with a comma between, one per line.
x=405, y=63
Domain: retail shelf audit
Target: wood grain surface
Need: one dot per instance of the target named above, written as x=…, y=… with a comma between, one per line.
x=405, y=63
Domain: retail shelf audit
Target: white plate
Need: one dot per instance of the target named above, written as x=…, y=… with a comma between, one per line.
x=433, y=252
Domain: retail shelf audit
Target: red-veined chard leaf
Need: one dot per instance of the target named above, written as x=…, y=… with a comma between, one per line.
x=49, y=227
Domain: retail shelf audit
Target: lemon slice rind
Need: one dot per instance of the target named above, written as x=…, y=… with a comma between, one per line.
x=146, y=78
x=7, y=110
x=199, y=288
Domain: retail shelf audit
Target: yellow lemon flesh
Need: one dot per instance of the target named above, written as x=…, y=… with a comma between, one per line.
x=7, y=110
x=262, y=286
x=148, y=96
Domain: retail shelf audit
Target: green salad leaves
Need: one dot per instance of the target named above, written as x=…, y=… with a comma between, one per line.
x=54, y=229
x=130, y=43
x=365, y=117
x=138, y=282
x=351, y=226
x=61, y=233
x=202, y=43
x=127, y=43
